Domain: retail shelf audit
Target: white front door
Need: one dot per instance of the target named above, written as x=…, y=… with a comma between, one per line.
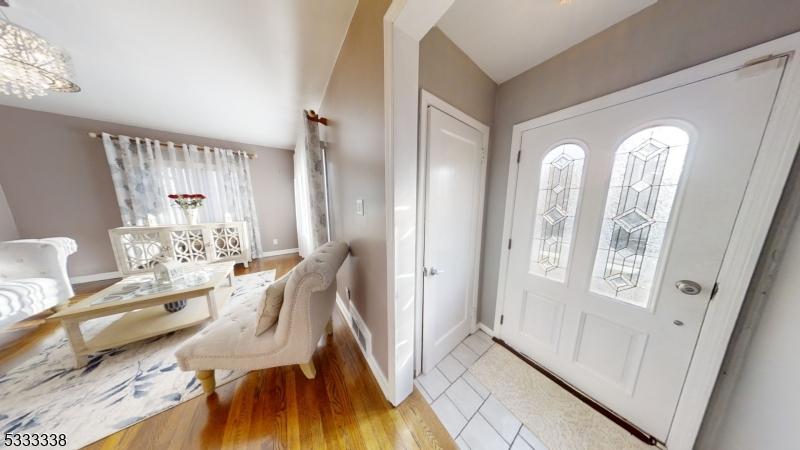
x=620, y=217
x=453, y=207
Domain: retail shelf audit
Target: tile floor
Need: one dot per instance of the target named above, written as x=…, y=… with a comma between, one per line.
x=474, y=418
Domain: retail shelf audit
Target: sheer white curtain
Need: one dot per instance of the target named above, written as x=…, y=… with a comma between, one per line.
x=145, y=171
x=309, y=189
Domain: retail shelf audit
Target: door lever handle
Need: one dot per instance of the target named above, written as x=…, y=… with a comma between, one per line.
x=431, y=271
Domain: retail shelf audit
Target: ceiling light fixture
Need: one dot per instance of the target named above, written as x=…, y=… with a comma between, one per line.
x=29, y=65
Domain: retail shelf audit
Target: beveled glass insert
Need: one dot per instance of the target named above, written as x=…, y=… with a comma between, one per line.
x=555, y=214
x=633, y=219
x=559, y=188
x=644, y=180
x=640, y=186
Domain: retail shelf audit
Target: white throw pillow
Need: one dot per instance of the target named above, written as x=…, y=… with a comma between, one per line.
x=270, y=307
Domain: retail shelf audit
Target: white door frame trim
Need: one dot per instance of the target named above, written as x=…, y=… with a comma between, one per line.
x=778, y=148
x=405, y=23
x=427, y=99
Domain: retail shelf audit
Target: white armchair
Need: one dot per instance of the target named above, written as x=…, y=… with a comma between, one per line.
x=33, y=276
x=231, y=342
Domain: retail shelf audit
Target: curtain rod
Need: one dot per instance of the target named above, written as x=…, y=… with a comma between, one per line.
x=96, y=135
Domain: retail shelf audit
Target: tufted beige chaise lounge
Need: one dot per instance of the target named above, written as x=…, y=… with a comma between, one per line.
x=230, y=342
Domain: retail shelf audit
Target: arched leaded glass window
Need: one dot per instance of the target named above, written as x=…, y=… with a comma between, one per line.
x=559, y=190
x=644, y=181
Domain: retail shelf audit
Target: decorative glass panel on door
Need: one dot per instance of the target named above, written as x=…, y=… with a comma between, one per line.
x=559, y=190
x=644, y=181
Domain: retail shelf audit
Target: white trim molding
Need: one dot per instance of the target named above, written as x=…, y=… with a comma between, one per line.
x=405, y=23
x=485, y=328
x=350, y=313
x=778, y=149
x=286, y=251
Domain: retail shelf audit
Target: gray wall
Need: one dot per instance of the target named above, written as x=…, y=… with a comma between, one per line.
x=8, y=228
x=666, y=37
x=448, y=73
x=57, y=183
x=353, y=104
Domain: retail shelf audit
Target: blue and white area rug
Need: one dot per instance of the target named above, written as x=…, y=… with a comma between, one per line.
x=119, y=387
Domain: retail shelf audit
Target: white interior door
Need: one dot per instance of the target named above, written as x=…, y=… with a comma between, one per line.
x=621, y=219
x=453, y=205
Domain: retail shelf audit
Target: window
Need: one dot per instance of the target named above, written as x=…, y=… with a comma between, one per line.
x=559, y=188
x=198, y=177
x=644, y=180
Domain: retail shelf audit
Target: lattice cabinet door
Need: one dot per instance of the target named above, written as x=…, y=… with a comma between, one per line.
x=135, y=250
x=189, y=245
x=227, y=242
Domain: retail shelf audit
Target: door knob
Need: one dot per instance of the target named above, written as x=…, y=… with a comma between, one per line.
x=688, y=287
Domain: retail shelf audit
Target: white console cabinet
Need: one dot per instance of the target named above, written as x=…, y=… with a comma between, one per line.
x=136, y=247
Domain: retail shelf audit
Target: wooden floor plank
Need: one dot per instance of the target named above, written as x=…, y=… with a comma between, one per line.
x=342, y=408
x=416, y=415
x=240, y=413
x=354, y=382
x=310, y=416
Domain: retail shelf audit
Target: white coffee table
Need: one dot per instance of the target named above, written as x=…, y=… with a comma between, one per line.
x=140, y=300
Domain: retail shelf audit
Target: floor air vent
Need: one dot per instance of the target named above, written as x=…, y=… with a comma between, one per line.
x=360, y=329
x=362, y=340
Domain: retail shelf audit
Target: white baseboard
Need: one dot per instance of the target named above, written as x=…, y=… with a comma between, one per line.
x=483, y=327
x=279, y=252
x=94, y=277
x=374, y=367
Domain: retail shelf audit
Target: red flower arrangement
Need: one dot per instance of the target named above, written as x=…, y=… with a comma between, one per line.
x=188, y=201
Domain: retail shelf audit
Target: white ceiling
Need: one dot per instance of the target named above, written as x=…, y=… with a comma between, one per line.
x=508, y=37
x=236, y=70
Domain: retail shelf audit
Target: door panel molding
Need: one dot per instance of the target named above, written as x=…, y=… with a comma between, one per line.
x=545, y=311
x=778, y=148
x=628, y=370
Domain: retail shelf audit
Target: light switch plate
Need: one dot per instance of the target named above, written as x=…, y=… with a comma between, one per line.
x=360, y=207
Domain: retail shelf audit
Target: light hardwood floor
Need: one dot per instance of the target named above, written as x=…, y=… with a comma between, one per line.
x=343, y=407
